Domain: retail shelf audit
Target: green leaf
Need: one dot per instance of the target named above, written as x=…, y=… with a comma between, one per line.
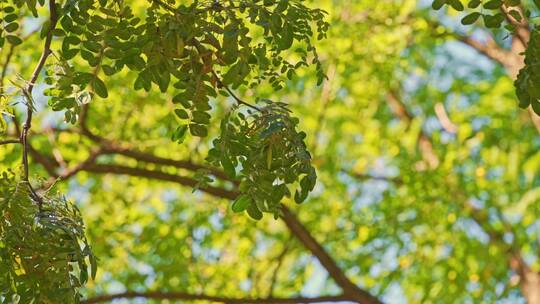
x=516, y=15
x=474, y=3
x=228, y=166
x=287, y=36
x=493, y=4
x=93, y=266
x=438, y=4
x=493, y=21
x=108, y=70
x=92, y=46
x=254, y=212
x=201, y=117
x=11, y=27
x=113, y=53
x=241, y=203
x=536, y=107
x=198, y=130
x=456, y=4
x=180, y=133
x=99, y=88
x=10, y=18
x=14, y=40
x=181, y=113
x=470, y=18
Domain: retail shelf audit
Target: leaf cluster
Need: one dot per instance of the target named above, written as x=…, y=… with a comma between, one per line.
x=269, y=154
x=245, y=41
x=489, y=11
x=44, y=254
x=9, y=24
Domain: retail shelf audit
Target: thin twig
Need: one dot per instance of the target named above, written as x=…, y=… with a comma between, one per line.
x=231, y=93
x=28, y=94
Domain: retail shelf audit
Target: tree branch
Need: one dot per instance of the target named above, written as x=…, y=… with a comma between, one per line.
x=29, y=88
x=27, y=91
x=491, y=50
x=10, y=141
x=156, y=295
x=154, y=174
x=150, y=158
x=300, y=231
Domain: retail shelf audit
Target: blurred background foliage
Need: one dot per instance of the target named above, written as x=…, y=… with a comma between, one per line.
x=427, y=190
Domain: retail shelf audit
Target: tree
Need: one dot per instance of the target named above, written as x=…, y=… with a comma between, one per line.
x=426, y=169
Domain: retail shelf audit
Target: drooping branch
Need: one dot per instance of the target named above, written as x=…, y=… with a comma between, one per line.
x=156, y=295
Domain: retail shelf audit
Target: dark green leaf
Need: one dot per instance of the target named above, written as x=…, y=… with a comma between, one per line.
x=181, y=113
x=198, y=130
x=254, y=212
x=470, y=18
x=14, y=40
x=99, y=88
x=437, y=4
